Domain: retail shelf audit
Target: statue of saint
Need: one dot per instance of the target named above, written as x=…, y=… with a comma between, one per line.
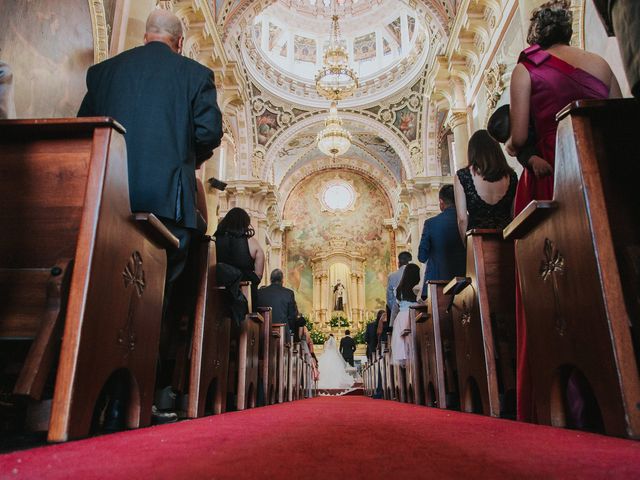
x=338, y=297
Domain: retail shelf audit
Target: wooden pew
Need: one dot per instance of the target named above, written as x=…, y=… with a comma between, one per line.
x=286, y=367
x=264, y=352
x=578, y=268
x=435, y=331
x=413, y=371
x=389, y=372
x=277, y=364
x=483, y=310
x=250, y=336
x=209, y=370
x=64, y=192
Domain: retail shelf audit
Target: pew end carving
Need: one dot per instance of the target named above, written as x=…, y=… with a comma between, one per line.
x=580, y=253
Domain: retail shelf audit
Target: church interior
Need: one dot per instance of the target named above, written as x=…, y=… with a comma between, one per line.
x=342, y=122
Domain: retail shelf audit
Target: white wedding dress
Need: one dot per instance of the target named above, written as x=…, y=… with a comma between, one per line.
x=333, y=368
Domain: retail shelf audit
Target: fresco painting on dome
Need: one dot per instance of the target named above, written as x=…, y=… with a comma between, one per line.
x=266, y=126
x=386, y=48
x=257, y=31
x=284, y=50
x=382, y=149
x=412, y=26
x=304, y=49
x=407, y=122
x=364, y=47
x=394, y=29
x=362, y=228
x=275, y=33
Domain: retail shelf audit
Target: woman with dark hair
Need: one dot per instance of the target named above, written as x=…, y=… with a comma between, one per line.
x=237, y=246
x=484, y=189
x=550, y=75
x=407, y=296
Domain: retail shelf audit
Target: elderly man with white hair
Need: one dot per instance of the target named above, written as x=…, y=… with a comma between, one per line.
x=167, y=104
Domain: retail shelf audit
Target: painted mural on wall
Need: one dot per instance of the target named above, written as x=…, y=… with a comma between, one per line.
x=266, y=126
x=407, y=123
x=362, y=228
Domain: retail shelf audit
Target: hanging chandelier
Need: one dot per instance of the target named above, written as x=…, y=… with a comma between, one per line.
x=334, y=140
x=336, y=80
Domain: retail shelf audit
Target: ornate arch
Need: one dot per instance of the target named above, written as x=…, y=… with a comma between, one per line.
x=372, y=125
x=363, y=169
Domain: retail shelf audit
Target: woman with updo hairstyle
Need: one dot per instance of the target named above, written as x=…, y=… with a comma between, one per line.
x=237, y=246
x=550, y=75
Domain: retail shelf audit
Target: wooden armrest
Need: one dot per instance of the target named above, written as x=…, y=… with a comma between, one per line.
x=245, y=283
x=423, y=317
x=484, y=231
x=527, y=219
x=278, y=325
x=456, y=285
x=264, y=309
x=275, y=334
x=406, y=332
x=156, y=230
x=255, y=317
x=420, y=306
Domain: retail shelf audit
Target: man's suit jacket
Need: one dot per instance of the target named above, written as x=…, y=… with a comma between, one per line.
x=347, y=347
x=283, y=303
x=392, y=302
x=371, y=337
x=441, y=247
x=167, y=103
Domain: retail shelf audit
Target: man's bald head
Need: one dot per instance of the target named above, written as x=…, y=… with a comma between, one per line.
x=164, y=26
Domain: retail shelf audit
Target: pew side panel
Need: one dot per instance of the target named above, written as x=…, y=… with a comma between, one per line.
x=276, y=363
x=484, y=324
x=581, y=256
x=414, y=385
x=249, y=355
x=210, y=342
x=264, y=352
x=436, y=330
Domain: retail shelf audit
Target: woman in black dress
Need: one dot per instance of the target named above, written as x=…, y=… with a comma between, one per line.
x=484, y=189
x=237, y=246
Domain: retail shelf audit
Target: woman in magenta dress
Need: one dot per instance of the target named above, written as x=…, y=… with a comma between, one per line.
x=550, y=74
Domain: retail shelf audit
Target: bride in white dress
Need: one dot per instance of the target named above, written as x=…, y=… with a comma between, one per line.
x=333, y=368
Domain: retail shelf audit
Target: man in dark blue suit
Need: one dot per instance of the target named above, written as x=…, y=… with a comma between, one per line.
x=167, y=103
x=282, y=301
x=440, y=246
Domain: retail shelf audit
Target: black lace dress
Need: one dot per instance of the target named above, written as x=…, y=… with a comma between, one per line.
x=481, y=213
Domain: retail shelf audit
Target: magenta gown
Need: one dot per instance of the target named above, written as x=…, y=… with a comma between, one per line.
x=554, y=84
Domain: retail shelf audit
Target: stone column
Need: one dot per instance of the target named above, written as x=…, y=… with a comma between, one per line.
x=458, y=124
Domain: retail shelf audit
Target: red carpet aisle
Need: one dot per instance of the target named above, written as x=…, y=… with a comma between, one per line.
x=334, y=437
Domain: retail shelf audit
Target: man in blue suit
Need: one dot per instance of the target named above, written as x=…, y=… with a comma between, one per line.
x=440, y=246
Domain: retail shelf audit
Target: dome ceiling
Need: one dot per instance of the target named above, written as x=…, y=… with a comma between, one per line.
x=386, y=41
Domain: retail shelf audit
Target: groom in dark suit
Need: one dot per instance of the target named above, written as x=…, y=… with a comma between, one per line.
x=347, y=347
x=167, y=103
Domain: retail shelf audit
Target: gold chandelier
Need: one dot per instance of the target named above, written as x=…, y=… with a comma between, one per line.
x=336, y=80
x=334, y=140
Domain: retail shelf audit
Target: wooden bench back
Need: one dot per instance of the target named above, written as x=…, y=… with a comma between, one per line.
x=43, y=177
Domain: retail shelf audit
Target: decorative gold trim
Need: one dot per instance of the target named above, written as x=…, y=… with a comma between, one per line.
x=100, y=31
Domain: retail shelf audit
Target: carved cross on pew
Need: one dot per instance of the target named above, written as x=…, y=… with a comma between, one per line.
x=133, y=275
x=551, y=266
